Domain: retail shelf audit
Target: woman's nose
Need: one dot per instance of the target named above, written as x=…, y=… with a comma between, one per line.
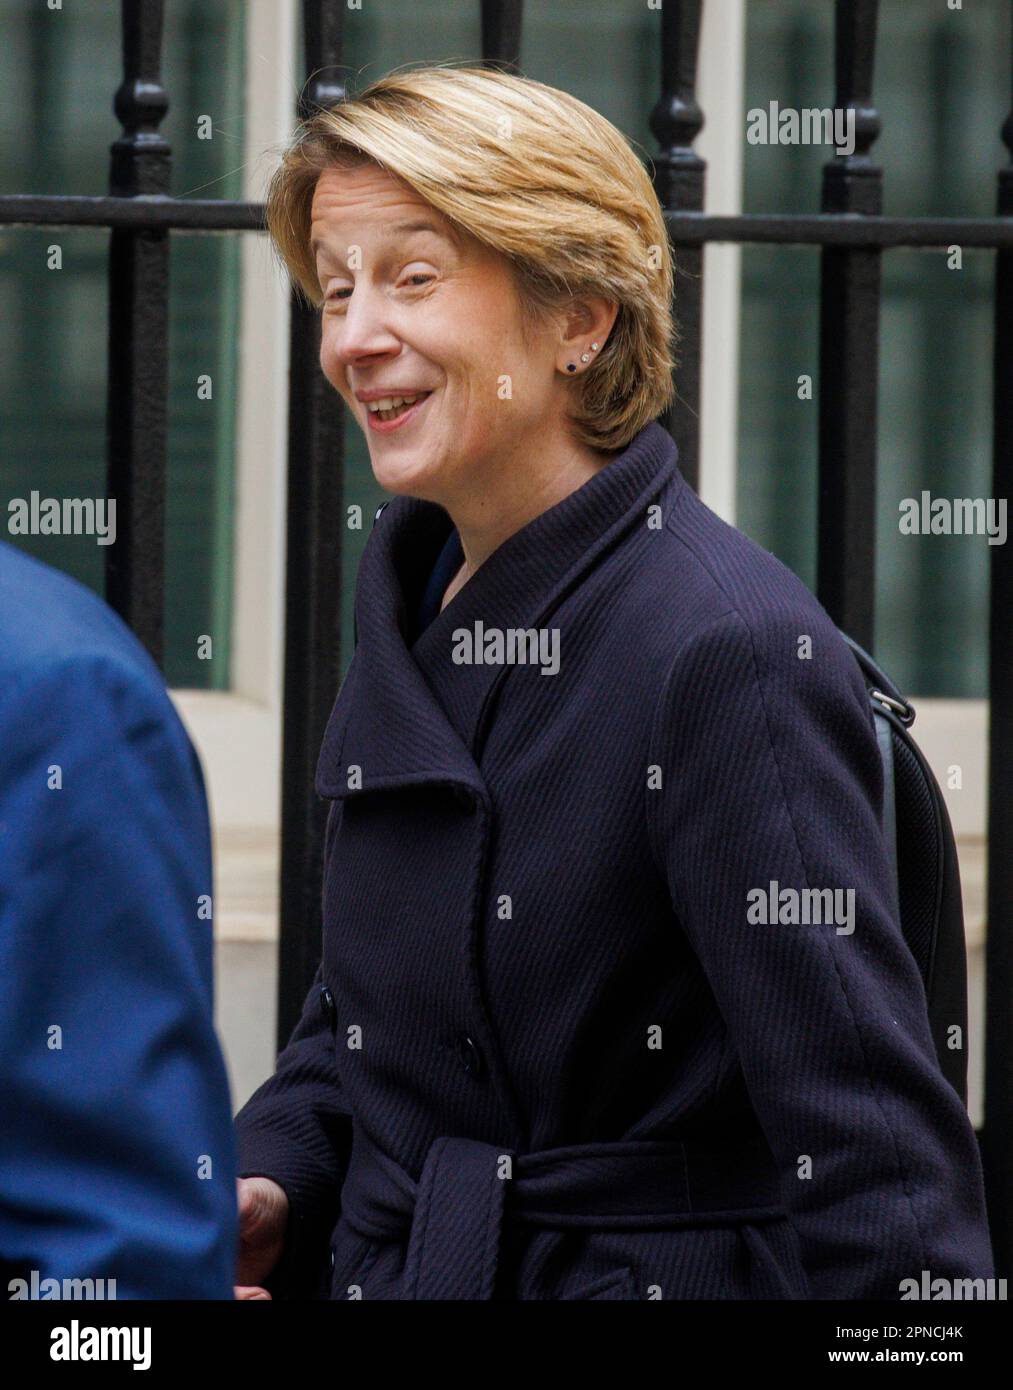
x=364, y=329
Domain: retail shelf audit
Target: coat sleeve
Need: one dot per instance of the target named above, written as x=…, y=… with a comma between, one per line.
x=117, y=1157
x=771, y=775
x=297, y=1129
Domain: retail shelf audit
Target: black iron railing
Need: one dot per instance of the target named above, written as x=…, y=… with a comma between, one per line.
x=853, y=236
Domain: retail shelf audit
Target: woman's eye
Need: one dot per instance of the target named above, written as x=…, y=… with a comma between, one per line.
x=342, y=293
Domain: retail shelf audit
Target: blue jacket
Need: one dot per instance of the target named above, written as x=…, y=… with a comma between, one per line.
x=559, y=1046
x=112, y=1083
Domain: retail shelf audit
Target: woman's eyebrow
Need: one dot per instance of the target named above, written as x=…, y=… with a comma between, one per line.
x=419, y=226
x=395, y=228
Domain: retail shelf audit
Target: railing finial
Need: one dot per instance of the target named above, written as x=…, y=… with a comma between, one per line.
x=852, y=182
x=141, y=156
x=322, y=39
x=677, y=119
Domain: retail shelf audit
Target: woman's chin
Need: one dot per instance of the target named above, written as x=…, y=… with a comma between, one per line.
x=404, y=479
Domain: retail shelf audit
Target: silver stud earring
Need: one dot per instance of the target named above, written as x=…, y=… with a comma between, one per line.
x=585, y=357
x=594, y=347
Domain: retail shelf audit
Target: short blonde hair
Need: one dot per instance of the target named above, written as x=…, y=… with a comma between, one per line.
x=532, y=173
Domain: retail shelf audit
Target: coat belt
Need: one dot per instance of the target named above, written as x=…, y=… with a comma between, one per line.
x=454, y=1215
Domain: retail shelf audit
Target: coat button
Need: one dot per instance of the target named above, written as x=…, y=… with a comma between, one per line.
x=328, y=1008
x=468, y=1055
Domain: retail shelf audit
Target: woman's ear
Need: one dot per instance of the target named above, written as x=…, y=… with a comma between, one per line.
x=586, y=326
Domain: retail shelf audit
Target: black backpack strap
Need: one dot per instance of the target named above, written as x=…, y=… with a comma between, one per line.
x=913, y=805
x=885, y=696
x=881, y=687
x=884, y=737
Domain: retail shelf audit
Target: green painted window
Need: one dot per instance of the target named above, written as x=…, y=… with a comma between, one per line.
x=940, y=88
x=942, y=91
x=59, y=70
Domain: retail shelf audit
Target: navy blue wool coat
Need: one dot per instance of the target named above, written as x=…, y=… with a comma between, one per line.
x=551, y=1053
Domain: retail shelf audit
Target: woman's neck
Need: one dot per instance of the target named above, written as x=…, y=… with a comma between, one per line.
x=493, y=511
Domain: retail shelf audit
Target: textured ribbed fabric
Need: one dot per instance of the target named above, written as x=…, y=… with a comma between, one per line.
x=452, y=1219
x=537, y=923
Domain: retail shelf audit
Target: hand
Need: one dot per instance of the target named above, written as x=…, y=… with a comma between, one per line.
x=263, y=1218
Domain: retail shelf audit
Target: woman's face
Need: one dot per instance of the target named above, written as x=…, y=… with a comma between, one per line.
x=411, y=308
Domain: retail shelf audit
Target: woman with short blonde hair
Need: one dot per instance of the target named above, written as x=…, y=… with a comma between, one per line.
x=551, y=1052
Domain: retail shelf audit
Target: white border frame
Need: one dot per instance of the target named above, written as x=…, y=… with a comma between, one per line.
x=238, y=733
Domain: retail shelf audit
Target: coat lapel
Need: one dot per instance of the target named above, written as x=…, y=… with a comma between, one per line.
x=407, y=714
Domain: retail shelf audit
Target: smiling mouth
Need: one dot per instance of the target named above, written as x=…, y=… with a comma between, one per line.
x=392, y=407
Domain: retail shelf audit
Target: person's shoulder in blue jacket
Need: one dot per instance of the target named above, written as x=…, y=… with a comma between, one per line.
x=116, y=1146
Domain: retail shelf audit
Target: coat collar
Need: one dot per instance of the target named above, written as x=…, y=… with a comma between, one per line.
x=406, y=714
